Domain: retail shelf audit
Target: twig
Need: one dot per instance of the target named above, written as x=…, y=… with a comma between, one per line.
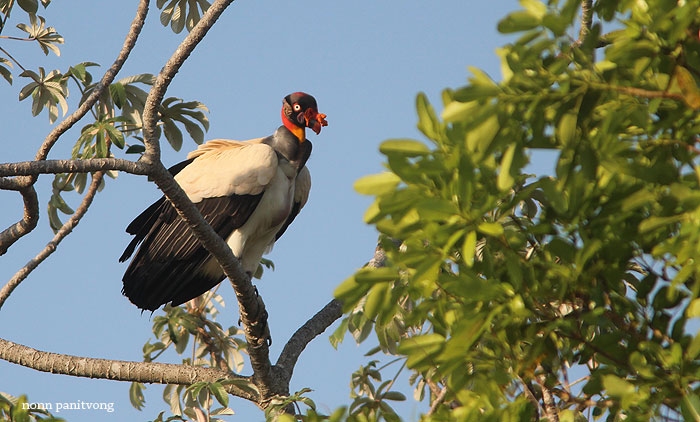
x=28, y=222
x=550, y=407
x=586, y=20
x=438, y=401
x=13, y=59
x=530, y=395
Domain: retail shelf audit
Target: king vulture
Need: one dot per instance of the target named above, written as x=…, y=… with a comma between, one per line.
x=248, y=191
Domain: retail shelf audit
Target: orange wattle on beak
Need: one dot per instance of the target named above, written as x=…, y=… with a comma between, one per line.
x=315, y=120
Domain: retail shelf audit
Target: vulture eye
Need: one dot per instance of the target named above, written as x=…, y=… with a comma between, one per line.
x=296, y=107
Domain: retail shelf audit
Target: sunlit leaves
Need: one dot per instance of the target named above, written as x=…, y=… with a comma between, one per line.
x=688, y=86
x=5, y=72
x=192, y=330
x=190, y=114
x=21, y=409
x=195, y=401
x=180, y=14
x=95, y=138
x=47, y=37
x=496, y=273
x=47, y=91
x=372, y=401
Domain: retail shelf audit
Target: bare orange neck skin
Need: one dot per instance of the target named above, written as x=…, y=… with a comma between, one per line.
x=299, y=132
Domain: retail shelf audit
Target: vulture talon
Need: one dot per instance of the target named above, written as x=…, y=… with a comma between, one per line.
x=248, y=191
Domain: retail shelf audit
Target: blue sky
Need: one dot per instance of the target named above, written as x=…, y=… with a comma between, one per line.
x=364, y=63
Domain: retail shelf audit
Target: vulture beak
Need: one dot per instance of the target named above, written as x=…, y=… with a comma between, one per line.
x=314, y=120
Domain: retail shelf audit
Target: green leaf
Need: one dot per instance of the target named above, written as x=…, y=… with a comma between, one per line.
x=491, y=229
x=404, y=147
x=377, y=184
x=377, y=299
x=219, y=392
x=172, y=134
x=617, y=387
x=29, y=6
x=436, y=209
x=242, y=383
x=518, y=21
x=693, y=309
x=136, y=396
x=5, y=71
x=480, y=138
x=370, y=275
x=428, y=122
x=421, y=350
x=350, y=292
x=118, y=94
x=505, y=180
x=176, y=13
x=688, y=86
x=535, y=7
x=566, y=128
x=469, y=248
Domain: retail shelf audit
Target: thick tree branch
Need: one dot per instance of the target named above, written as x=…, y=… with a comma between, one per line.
x=145, y=372
x=90, y=165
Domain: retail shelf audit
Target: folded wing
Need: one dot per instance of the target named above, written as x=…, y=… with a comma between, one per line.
x=226, y=181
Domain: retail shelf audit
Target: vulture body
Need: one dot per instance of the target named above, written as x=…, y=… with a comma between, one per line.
x=248, y=191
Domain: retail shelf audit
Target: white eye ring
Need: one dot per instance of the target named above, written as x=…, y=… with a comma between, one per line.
x=297, y=107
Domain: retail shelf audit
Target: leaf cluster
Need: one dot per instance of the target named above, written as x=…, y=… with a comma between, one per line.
x=117, y=113
x=18, y=409
x=194, y=325
x=500, y=284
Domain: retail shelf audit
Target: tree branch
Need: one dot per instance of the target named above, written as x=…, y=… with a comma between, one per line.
x=28, y=222
x=168, y=72
x=50, y=247
x=107, y=78
x=90, y=165
x=548, y=404
x=586, y=20
x=31, y=209
x=145, y=372
x=303, y=336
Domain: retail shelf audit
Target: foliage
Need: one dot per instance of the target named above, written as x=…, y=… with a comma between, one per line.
x=501, y=285
x=194, y=324
x=117, y=113
x=19, y=409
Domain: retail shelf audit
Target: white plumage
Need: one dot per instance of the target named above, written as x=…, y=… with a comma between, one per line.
x=248, y=191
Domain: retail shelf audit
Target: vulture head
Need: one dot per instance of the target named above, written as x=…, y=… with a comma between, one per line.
x=299, y=111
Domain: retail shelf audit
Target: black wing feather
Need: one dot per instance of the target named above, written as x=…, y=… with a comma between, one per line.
x=168, y=264
x=148, y=217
